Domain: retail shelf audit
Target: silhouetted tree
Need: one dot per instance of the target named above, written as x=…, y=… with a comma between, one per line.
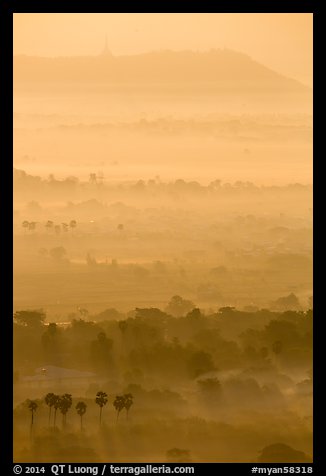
x=119, y=404
x=56, y=405
x=65, y=403
x=32, y=405
x=33, y=318
x=216, y=184
x=73, y=224
x=93, y=178
x=81, y=410
x=128, y=402
x=194, y=314
x=49, y=400
x=49, y=225
x=101, y=400
x=25, y=225
x=178, y=306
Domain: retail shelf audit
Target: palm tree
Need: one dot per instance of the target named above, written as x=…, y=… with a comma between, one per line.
x=25, y=225
x=81, y=410
x=93, y=178
x=73, y=224
x=119, y=404
x=32, y=405
x=128, y=401
x=64, y=405
x=49, y=400
x=56, y=405
x=101, y=400
x=49, y=225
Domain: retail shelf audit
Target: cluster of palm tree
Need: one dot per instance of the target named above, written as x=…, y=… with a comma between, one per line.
x=123, y=402
x=120, y=403
x=29, y=225
x=50, y=225
x=96, y=179
x=64, y=402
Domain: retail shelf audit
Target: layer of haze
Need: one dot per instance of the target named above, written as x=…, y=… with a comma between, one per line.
x=163, y=237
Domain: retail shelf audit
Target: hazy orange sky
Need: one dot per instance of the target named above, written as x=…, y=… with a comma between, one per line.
x=282, y=41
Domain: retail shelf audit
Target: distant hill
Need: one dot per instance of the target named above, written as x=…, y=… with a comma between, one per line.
x=222, y=69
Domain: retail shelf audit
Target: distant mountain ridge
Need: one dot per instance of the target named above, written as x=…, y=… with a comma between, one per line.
x=221, y=68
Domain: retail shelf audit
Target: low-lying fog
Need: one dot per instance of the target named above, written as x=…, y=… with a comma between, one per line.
x=162, y=255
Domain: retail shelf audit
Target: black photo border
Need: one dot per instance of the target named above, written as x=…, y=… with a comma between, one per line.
x=7, y=10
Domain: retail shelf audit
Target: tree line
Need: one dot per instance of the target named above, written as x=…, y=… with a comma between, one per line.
x=50, y=225
x=63, y=403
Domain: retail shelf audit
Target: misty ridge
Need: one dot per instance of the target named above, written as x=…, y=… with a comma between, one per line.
x=163, y=287
x=183, y=114
x=219, y=67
